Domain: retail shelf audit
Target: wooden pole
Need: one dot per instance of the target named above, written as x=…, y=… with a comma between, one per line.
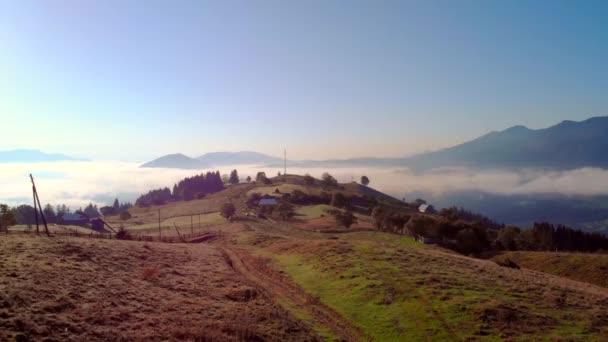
x=35, y=206
x=159, y=232
x=46, y=228
x=37, y=200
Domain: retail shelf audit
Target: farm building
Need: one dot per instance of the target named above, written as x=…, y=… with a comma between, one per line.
x=427, y=209
x=74, y=219
x=268, y=202
x=426, y=240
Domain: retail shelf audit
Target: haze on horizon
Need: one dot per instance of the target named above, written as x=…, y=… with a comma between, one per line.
x=118, y=80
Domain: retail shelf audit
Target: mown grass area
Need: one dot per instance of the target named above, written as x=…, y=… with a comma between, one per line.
x=587, y=267
x=394, y=289
x=183, y=222
x=401, y=240
x=284, y=188
x=309, y=212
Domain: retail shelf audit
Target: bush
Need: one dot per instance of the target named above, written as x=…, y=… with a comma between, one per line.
x=228, y=211
x=286, y=211
x=123, y=234
x=346, y=218
x=253, y=200
x=339, y=200
x=328, y=180
x=308, y=179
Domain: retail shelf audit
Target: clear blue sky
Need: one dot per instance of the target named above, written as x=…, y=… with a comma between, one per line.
x=133, y=80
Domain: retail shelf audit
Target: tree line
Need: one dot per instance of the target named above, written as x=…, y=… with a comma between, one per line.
x=24, y=213
x=189, y=188
x=471, y=233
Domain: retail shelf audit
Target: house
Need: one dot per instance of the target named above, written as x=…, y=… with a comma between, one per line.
x=74, y=219
x=427, y=209
x=426, y=240
x=268, y=202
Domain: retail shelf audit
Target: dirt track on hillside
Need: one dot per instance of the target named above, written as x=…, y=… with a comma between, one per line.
x=275, y=286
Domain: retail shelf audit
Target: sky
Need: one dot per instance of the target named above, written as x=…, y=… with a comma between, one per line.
x=134, y=80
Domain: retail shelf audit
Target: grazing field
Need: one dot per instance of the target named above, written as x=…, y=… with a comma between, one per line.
x=310, y=212
x=396, y=289
x=590, y=268
x=98, y=290
x=283, y=188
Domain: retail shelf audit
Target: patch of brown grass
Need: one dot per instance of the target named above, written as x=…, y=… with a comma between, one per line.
x=82, y=289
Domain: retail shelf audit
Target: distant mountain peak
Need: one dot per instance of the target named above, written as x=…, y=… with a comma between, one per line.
x=33, y=156
x=564, y=146
x=176, y=161
x=517, y=128
x=212, y=159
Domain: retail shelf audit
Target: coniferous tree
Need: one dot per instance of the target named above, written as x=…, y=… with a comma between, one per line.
x=49, y=214
x=234, y=177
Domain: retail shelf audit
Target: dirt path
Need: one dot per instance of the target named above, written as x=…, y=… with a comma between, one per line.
x=276, y=286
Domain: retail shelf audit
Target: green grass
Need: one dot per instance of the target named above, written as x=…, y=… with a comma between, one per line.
x=362, y=292
x=394, y=290
x=310, y=212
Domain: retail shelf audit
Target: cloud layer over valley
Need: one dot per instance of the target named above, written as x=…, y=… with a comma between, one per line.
x=78, y=183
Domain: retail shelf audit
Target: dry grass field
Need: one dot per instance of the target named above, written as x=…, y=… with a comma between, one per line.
x=80, y=289
x=590, y=268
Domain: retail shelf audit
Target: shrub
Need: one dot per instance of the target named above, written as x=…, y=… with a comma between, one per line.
x=228, y=210
x=338, y=200
x=308, y=179
x=328, y=180
x=364, y=180
x=346, y=218
x=123, y=234
x=286, y=211
x=254, y=199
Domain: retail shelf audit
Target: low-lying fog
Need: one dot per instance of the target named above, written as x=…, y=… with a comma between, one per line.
x=78, y=183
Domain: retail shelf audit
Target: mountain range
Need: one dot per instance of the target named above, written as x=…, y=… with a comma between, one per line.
x=213, y=159
x=33, y=156
x=567, y=145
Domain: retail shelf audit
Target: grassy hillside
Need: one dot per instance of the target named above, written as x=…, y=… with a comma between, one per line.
x=590, y=268
x=298, y=279
x=396, y=289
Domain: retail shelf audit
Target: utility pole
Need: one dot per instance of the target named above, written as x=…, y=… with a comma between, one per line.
x=35, y=206
x=38, y=206
x=159, y=231
x=285, y=164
